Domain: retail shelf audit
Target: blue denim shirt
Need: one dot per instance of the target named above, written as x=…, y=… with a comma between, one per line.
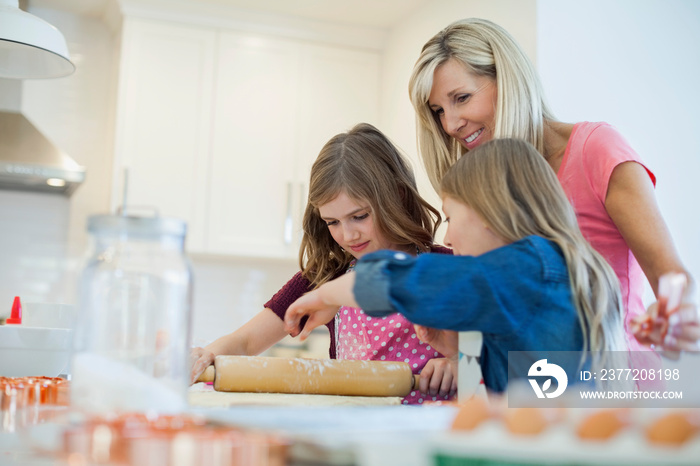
x=518, y=296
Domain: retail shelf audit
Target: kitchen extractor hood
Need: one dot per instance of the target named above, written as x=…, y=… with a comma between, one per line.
x=30, y=48
x=30, y=162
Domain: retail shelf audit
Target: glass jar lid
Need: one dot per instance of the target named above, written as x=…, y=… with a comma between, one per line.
x=137, y=226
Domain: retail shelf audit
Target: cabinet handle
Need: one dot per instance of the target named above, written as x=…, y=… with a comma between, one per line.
x=287, y=236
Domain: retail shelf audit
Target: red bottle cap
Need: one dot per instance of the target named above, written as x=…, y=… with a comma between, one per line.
x=16, y=315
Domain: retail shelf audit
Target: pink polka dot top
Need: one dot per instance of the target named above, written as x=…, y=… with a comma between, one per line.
x=390, y=338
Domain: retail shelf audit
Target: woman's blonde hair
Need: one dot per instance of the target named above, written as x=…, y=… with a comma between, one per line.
x=485, y=49
x=516, y=193
x=366, y=166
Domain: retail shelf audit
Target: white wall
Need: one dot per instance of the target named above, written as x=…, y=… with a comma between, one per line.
x=227, y=293
x=36, y=262
x=404, y=46
x=76, y=112
x=634, y=64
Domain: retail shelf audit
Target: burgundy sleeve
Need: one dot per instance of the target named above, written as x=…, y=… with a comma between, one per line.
x=290, y=292
x=439, y=249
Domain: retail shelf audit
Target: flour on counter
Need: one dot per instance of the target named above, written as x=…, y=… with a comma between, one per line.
x=204, y=395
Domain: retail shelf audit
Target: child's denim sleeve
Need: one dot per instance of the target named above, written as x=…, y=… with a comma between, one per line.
x=431, y=289
x=493, y=293
x=372, y=283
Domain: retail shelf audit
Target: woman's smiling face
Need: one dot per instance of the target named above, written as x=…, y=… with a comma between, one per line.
x=464, y=103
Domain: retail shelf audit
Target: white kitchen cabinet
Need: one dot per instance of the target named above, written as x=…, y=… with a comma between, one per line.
x=340, y=88
x=254, y=145
x=164, y=120
x=271, y=121
x=220, y=128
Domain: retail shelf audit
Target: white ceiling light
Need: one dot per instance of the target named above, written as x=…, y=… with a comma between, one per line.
x=30, y=48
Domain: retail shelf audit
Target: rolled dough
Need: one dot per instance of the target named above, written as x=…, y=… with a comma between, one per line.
x=204, y=395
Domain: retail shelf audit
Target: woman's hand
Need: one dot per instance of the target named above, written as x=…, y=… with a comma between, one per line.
x=683, y=329
x=439, y=377
x=320, y=305
x=673, y=322
x=446, y=342
x=200, y=359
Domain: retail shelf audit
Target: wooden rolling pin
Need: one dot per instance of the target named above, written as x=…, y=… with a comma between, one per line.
x=310, y=376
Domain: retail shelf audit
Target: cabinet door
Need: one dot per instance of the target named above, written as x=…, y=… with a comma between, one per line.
x=339, y=88
x=163, y=120
x=254, y=146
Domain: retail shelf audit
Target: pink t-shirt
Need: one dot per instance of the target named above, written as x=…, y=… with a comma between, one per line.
x=593, y=152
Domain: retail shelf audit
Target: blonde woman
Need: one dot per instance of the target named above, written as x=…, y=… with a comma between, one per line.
x=522, y=273
x=362, y=198
x=473, y=83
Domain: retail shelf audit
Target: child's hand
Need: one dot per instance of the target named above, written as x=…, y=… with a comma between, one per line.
x=320, y=305
x=200, y=359
x=439, y=377
x=672, y=323
x=312, y=305
x=446, y=342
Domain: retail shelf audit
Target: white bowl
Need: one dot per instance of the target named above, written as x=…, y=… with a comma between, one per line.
x=34, y=351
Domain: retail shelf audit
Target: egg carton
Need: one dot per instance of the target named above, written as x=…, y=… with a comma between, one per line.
x=567, y=437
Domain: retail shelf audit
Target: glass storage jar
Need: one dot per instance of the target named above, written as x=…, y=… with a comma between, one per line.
x=131, y=350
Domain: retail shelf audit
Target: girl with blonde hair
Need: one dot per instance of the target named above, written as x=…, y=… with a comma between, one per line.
x=362, y=198
x=522, y=273
x=472, y=83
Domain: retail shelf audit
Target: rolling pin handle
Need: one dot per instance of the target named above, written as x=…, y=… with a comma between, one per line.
x=416, y=381
x=207, y=375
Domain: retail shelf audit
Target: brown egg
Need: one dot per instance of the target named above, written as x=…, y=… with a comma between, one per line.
x=471, y=414
x=672, y=429
x=603, y=424
x=530, y=421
